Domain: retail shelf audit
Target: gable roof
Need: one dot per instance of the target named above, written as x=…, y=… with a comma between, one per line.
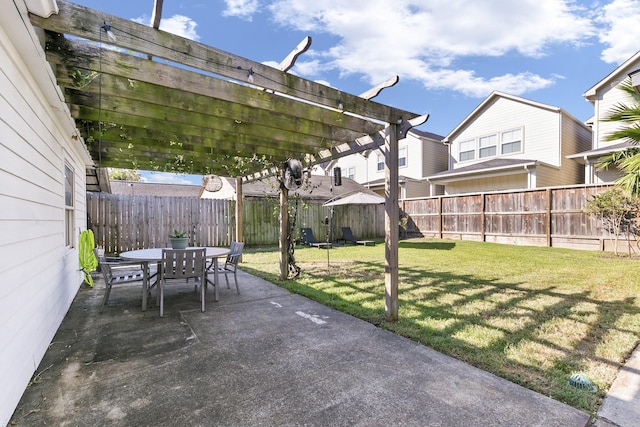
x=490, y=99
x=622, y=70
x=597, y=153
x=490, y=166
x=141, y=188
x=428, y=135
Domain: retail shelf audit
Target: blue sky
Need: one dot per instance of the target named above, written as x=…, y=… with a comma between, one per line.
x=449, y=54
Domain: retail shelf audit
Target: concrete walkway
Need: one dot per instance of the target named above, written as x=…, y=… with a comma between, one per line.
x=265, y=357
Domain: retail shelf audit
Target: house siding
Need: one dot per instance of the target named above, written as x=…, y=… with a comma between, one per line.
x=39, y=275
x=605, y=98
x=540, y=131
x=425, y=157
x=497, y=183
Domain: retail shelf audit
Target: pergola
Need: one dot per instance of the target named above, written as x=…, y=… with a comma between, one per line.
x=146, y=99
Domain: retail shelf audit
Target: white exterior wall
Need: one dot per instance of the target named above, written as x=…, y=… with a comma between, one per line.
x=494, y=183
x=606, y=97
x=540, y=131
x=39, y=273
x=424, y=157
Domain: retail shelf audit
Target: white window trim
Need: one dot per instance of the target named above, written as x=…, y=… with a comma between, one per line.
x=460, y=151
x=521, y=141
x=69, y=208
x=493, y=136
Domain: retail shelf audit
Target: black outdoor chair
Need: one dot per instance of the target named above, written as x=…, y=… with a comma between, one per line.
x=307, y=238
x=347, y=236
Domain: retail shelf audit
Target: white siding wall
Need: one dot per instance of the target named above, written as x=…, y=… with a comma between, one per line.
x=424, y=157
x=606, y=97
x=495, y=183
x=540, y=130
x=39, y=274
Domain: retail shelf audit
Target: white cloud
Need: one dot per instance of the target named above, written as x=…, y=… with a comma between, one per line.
x=241, y=8
x=424, y=39
x=178, y=24
x=620, y=30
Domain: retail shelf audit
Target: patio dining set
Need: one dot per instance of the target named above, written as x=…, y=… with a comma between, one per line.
x=159, y=267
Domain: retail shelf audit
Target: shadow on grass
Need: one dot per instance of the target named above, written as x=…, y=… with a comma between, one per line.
x=536, y=337
x=445, y=246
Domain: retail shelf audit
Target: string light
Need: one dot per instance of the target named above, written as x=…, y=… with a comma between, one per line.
x=107, y=29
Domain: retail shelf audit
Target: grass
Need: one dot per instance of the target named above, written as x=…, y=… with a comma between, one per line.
x=532, y=315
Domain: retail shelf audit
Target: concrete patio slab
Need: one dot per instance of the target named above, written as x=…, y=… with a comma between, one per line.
x=264, y=357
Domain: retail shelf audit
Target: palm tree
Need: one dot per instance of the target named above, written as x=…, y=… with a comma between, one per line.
x=627, y=161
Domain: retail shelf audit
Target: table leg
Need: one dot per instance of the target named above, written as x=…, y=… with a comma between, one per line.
x=145, y=284
x=215, y=278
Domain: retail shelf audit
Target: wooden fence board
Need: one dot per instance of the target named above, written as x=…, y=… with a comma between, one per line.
x=552, y=217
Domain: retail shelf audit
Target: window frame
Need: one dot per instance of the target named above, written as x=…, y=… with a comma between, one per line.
x=503, y=143
x=492, y=146
x=69, y=205
x=402, y=164
x=472, y=151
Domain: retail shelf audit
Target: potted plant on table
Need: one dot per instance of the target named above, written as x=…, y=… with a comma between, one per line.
x=178, y=239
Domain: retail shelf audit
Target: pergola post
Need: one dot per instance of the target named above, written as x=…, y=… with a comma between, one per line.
x=239, y=204
x=391, y=218
x=284, y=228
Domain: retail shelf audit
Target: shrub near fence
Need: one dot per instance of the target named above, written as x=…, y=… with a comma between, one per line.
x=539, y=217
x=122, y=222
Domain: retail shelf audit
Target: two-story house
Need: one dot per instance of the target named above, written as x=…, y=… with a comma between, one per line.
x=604, y=95
x=419, y=154
x=510, y=143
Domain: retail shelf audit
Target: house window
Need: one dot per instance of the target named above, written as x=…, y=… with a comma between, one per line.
x=511, y=141
x=467, y=150
x=488, y=146
x=69, y=225
x=349, y=172
x=402, y=157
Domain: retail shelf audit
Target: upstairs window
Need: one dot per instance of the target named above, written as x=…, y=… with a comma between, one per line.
x=488, y=145
x=380, y=163
x=467, y=150
x=511, y=141
x=402, y=157
x=349, y=172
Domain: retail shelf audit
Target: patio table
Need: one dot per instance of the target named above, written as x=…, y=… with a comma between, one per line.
x=146, y=256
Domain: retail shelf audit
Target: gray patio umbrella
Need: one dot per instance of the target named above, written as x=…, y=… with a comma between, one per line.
x=358, y=198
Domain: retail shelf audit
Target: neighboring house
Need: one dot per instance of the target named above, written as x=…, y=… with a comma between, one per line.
x=420, y=154
x=141, y=188
x=316, y=189
x=603, y=96
x=42, y=202
x=508, y=143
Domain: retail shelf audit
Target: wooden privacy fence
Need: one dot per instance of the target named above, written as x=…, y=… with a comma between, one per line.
x=122, y=222
x=539, y=217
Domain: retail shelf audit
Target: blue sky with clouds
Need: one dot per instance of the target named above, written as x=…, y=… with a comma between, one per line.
x=449, y=54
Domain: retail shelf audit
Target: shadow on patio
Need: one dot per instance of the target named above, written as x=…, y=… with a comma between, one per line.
x=264, y=357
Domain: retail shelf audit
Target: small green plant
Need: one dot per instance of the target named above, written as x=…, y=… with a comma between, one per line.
x=177, y=234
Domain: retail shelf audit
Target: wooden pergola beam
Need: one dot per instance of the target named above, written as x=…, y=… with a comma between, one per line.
x=86, y=23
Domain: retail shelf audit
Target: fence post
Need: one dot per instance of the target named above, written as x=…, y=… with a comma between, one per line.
x=548, y=218
x=483, y=216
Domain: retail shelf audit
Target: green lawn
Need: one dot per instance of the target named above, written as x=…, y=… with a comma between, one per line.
x=534, y=316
